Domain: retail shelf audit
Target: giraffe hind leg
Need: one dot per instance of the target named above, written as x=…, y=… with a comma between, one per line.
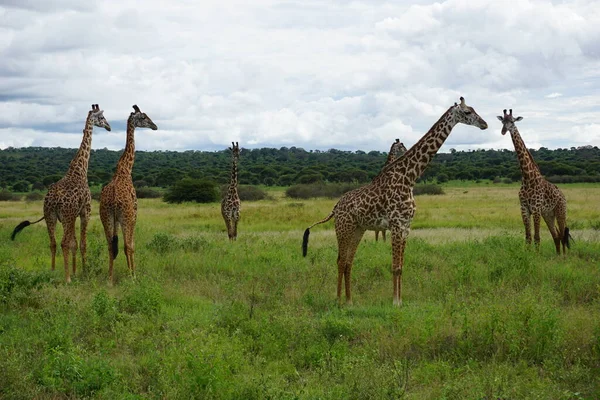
x=550, y=220
x=348, y=244
x=51, y=226
x=69, y=245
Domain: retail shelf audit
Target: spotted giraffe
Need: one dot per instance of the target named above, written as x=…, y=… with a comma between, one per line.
x=538, y=197
x=70, y=198
x=118, y=200
x=388, y=202
x=396, y=151
x=230, y=205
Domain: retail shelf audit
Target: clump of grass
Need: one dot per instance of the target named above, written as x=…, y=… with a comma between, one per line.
x=431, y=189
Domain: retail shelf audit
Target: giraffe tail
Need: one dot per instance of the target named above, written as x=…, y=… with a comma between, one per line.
x=567, y=238
x=21, y=226
x=307, y=233
x=115, y=246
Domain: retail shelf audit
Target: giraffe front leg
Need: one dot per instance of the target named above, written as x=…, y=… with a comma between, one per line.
x=128, y=238
x=68, y=244
x=526, y=216
x=108, y=223
x=383, y=235
x=51, y=226
x=84, y=218
x=399, y=236
x=376, y=235
x=536, y=230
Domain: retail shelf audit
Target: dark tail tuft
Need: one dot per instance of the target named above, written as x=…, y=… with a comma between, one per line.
x=305, y=242
x=567, y=238
x=115, y=246
x=19, y=228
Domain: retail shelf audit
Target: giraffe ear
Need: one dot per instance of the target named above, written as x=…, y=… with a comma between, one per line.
x=500, y=118
x=518, y=119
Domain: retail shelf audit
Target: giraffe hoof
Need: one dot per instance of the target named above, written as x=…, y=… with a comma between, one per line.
x=398, y=302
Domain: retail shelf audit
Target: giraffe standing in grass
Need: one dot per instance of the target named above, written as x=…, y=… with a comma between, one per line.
x=388, y=202
x=538, y=197
x=396, y=151
x=118, y=200
x=230, y=206
x=70, y=198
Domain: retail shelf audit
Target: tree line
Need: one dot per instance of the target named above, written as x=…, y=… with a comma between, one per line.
x=35, y=168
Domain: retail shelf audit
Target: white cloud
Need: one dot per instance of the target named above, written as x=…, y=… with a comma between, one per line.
x=312, y=74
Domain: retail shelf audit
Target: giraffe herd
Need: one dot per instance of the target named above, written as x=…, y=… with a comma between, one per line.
x=387, y=203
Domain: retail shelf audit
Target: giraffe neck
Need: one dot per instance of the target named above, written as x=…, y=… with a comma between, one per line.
x=125, y=164
x=79, y=164
x=529, y=169
x=410, y=167
x=233, y=182
x=391, y=157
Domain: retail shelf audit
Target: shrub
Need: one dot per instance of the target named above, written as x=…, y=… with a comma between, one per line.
x=330, y=190
x=507, y=180
x=50, y=179
x=96, y=195
x=5, y=195
x=427, y=189
x=188, y=189
x=34, y=196
x=21, y=186
x=247, y=193
x=147, y=193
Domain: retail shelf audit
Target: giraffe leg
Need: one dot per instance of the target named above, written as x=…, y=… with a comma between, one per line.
x=108, y=222
x=84, y=218
x=347, y=249
x=550, y=220
x=51, y=226
x=234, y=224
x=228, y=226
x=536, y=230
x=68, y=244
x=376, y=236
x=399, y=236
x=383, y=234
x=526, y=216
x=561, y=220
x=128, y=228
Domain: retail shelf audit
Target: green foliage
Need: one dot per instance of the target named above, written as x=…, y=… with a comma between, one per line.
x=16, y=285
x=427, y=189
x=5, y=195
x=247, y=193
x=34, y=196
x=147, y=193
x=20, y=186
x=329, y=190
x=188, y=189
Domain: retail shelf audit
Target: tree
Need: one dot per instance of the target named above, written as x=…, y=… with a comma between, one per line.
x=188, y=189
x=20, y=186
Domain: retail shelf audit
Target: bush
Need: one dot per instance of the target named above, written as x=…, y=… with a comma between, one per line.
x=247, y=193
x=147, y=193
x=34, y=196
x=427, y=189
x=21, y=186
x=5, y=195
x=330, y=190
x=188, y=189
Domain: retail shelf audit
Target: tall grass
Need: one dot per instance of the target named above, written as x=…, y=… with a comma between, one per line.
x=483, y=315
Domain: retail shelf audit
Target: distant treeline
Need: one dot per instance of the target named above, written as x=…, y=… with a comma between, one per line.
x=34, y=168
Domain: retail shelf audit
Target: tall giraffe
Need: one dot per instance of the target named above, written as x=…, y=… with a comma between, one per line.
x=118, y=200
x=70, y=197
x=230, y=205
x=388, y=202
x=396, y=151
x=538, y=197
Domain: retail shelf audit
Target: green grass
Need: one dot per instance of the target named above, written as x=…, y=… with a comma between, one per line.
x=484, y=317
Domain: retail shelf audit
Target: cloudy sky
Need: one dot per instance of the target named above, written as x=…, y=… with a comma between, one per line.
x=316, y=74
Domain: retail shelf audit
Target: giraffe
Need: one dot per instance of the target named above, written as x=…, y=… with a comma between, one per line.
x=538, y=197
x=70, y=198
x=396, y=151
x=118, y=200
x=230, y=205
x=388, y=202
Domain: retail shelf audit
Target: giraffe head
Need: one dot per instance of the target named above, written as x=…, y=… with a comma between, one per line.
x=141, y=120
x=97, y=117
x=235, y=149
x=465, y=114
x=508, y=122
x=398, y=148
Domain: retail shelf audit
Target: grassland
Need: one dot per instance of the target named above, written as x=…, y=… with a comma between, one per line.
x=484, y=317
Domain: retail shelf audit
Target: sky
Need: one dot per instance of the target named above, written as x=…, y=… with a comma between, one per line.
x=316, y=74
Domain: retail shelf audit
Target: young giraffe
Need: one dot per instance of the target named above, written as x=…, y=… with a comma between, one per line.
x=70, y=197
x=538, y=197
x=396, y=151
x=118, y=201
x=388, y=201
x=230, y=206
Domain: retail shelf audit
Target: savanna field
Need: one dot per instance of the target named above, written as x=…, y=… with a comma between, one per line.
x=484, y=317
